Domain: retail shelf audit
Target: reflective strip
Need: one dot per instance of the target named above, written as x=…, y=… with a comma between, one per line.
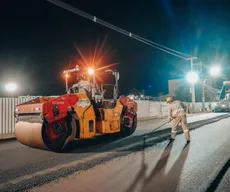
x=177, y=111
x=174, y=131
x=186, y=130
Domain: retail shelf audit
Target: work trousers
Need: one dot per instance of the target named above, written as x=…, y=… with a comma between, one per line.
x=175, y=123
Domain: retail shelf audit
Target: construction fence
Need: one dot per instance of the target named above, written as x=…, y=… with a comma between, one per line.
x=146, y=110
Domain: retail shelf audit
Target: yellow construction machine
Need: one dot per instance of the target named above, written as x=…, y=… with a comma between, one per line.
x=52, y=122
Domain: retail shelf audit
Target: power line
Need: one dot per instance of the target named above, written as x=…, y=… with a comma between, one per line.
x=122, y=31
x=161, y=49
x=186, y=55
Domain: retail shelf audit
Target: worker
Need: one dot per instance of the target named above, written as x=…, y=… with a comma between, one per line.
x=177, y=114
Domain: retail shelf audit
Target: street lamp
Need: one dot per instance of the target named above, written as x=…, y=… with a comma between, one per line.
x=90, y=71
x=215, y=71
x=11, y=87
x=192, y=77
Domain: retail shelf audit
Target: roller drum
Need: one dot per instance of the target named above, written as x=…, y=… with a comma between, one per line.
x=45, y=136
x=30, y=134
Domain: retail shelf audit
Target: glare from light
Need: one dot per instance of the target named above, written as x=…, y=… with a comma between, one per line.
x=131, y=97
x=11, y=87
x=215, y=71
x=90, y=71
x=192, y=77
x=66, y=75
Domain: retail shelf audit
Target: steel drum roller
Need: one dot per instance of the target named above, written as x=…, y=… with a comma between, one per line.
x=33, y=135
x=30, y=134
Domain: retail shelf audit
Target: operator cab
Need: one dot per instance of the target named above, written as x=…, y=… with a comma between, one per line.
x=101, y=95
x=94, y=93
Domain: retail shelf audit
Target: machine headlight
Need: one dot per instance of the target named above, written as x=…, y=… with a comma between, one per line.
x=37, y=109
x=17, y=110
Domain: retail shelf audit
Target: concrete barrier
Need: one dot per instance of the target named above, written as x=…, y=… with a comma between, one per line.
x=146, y=110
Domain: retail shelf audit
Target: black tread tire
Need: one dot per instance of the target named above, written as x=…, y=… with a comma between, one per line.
x=58, y=147
x=126, y=131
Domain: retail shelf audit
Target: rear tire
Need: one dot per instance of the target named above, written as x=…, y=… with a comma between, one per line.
x=126, y=131
x=57, y=144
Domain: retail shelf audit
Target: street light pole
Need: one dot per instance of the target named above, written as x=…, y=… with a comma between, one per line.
x=203, y=81
x=193, y=89
x=214, y=71
x=203, y=94
x=66, y=83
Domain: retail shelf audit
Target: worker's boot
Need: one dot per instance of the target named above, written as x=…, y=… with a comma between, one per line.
x=172, y=138
x=187, y=136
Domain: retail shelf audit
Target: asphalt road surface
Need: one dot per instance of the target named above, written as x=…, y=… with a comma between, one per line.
x=200, y=166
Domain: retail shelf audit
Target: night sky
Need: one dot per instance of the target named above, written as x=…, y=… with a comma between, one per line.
x=38, y=40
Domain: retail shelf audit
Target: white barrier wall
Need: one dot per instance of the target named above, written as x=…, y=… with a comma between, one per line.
x=143, y=108
x=146, y=109
x=7, y=119
x=159, y=109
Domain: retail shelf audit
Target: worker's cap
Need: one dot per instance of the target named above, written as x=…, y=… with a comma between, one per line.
x=168, y=99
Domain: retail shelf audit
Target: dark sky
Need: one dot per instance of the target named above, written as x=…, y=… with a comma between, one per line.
x=38, y=40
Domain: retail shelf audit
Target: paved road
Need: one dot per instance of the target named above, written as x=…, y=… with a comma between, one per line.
x=203, y=165
x=22, y=167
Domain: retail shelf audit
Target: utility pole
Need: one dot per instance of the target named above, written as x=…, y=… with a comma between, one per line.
x=203, y=94
x=203, y=81
x=193, y=85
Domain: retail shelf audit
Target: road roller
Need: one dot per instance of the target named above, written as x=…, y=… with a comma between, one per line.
x=82, y=112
